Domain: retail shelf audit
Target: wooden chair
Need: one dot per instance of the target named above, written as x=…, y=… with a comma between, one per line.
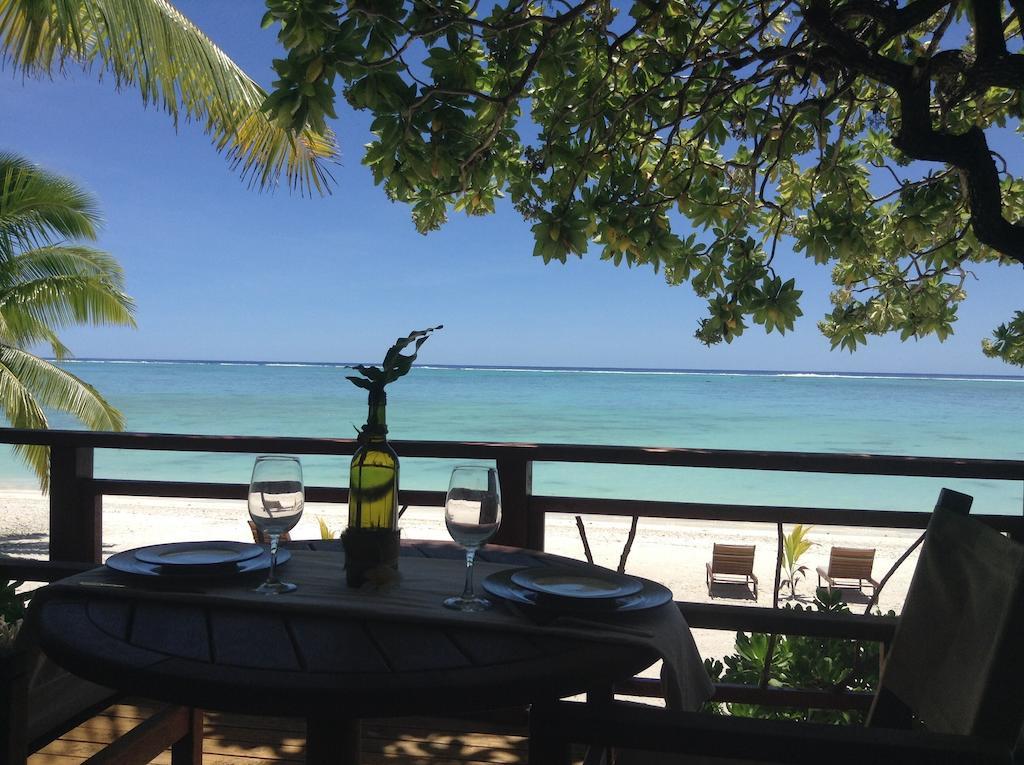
x=950, y=690
x=40, y=702
x=730, y=563
x=848, y=567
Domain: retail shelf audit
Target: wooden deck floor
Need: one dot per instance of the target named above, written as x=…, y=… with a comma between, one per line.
x=240, y=740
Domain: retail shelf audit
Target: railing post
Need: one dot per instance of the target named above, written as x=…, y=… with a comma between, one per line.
x=76, y=513
x=16, y=670
x=518, y=527
x=1017, y=535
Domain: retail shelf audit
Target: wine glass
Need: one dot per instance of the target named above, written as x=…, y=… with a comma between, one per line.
x=276, y=499
x=472, y=512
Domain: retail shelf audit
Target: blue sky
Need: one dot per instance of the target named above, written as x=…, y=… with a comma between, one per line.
x=223, y=272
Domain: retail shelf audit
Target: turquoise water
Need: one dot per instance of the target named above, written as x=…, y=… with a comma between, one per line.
x=931, y=416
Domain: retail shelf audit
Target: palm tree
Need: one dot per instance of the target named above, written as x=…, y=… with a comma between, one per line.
x=150, y=45
x=49, y=282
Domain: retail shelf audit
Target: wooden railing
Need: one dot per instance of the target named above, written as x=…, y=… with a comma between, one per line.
x=76, y=508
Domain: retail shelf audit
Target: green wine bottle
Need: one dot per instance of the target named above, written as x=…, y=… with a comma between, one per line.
x=371, y=539
x=372, y=534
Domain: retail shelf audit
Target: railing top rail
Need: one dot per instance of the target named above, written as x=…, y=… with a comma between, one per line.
x=810, y=462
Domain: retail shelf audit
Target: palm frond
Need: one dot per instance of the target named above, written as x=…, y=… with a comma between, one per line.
x=37, y=207
x=49, y=288
x=61, y=260
x=23, y=330
x=150, y=45
x=27, y=378
x=22, y=411
x=45, y=286
x=65, y=301
x=38, y=460
x=16, y=401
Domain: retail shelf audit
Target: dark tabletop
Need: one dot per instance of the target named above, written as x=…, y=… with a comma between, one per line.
x=307, y=665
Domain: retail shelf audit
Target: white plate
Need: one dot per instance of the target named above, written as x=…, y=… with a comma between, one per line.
x=192, y=554
x=589, y=583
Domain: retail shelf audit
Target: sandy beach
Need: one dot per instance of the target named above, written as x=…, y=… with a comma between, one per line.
x=671, y=552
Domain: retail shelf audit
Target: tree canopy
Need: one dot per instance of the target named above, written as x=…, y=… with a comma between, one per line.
x=700, y=137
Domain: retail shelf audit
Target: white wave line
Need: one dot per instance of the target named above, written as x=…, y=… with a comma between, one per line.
x=551, y=370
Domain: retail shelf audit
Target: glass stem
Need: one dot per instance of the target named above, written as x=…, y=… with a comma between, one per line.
x=272, y=576
x=467, y=591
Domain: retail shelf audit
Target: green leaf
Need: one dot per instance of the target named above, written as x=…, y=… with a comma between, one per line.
x=369, y=372
x=396, y=364
x=360, y=382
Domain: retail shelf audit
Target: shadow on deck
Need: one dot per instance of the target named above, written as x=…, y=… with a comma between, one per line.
x=242, y=740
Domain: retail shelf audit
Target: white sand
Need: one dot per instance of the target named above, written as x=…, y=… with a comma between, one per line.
x=671, y=552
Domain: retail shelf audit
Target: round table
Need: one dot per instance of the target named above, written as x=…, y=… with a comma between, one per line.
x=326, y=668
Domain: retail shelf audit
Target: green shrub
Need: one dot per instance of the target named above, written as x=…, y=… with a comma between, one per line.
x=12, y=609
x=827, y=664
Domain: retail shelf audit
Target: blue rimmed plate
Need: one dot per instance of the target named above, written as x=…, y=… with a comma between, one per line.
x=589, y=583
x=650, y=595
x=193, y=554
x=127, y=563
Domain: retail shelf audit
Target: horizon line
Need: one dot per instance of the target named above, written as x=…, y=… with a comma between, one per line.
x=552, y=367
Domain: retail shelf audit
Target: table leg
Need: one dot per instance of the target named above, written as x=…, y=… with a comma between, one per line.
x=604, y=694
x=330, y=741
x=188, y=750
x=547, y=745
x=597, y=697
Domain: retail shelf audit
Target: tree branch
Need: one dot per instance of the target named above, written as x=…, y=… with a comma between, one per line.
x=917, y=136
x=861, y=58
x=969, y=151
x=988, y=30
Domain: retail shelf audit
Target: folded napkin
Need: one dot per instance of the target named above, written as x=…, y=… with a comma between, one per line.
x=417, y=597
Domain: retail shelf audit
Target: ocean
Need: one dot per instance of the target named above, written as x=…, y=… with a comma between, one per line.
x=942, y=416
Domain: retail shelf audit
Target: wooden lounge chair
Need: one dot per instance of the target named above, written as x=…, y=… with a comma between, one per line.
x=848, y=567
x=730, y=563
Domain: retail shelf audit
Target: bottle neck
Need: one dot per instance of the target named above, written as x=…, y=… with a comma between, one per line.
x=376, y=428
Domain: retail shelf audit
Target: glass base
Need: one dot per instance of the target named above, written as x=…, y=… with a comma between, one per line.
x=459, y=603
x=276, y=588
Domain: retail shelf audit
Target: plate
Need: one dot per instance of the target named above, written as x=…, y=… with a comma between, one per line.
x=650, y=595
x=127, y=563
x=566, y=582
x=192, y=554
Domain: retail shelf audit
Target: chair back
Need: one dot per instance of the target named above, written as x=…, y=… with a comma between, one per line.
x=956, y=662
x=733, y=559
x=850, y=563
